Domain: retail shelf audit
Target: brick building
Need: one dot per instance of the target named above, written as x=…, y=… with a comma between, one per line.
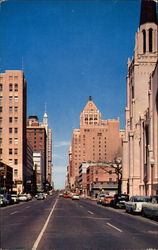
x=97, y=140
x=13, y=125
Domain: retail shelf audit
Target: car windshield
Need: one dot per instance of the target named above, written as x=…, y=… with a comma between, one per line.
x=141, y=199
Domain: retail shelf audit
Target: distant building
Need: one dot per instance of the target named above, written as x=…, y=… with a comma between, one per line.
x=36, y=135
x=140, y=145
x=38, y=159
x=97, y=140
x=13, y=125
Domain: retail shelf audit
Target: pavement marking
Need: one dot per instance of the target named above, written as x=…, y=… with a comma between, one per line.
x=44, y=227
x=90, y=212
x=114, y=227
x=14, y=212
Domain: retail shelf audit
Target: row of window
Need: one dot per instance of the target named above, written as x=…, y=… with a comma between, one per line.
x=11, y=151
x=11, y=130
x=12, y=87
x=10, y=109
x=10, y=140
x=10, y=98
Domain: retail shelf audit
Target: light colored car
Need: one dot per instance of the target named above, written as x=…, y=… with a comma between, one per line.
x=15, y=198
x=40, y=196
x=23, y=197
x=3, y=201
x=134, y=205
x=75, y=197
x=151, y=209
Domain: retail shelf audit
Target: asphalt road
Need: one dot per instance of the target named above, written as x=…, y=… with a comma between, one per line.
x=62, y=223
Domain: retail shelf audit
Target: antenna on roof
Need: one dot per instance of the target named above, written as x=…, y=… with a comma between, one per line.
x=90, y=98
x=45, y=107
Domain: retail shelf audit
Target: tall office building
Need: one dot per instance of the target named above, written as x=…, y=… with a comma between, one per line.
x=140, y=146
x=97, y=140
x=13, y=125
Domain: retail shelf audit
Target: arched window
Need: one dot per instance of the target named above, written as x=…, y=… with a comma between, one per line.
x=150, y=40
x=144, y=41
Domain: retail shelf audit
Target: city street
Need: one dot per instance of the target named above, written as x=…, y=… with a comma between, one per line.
x=62, y=223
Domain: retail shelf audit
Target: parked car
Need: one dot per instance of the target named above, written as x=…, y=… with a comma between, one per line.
x=75, y=197
x=100, y=198
x=9, y=198
x=107, y=200
x=40, y=196
x=29, y=196
x=3, y=200
x=151, y=209
x=23, y=197
x=134, y=205
x=119, y=200
x=15, y=198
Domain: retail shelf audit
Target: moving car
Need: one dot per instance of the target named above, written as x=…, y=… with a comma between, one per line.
x=151, y=209
x=75, y=197
x=119, y=200
x=134, y=205
x=107, y=200
x=40, y=196
x=67, y=195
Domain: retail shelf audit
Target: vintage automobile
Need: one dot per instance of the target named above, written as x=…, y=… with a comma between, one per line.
x=75, y=196
x=67, y=195
x=119, y=200
x=107, y=200
x=100, y=198
x=134, y=205
x=3, y=200
x=151, y=209
x=23, y=197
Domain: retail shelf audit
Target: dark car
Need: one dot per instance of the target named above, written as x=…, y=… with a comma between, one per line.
x=119, y=200
x=9, y=198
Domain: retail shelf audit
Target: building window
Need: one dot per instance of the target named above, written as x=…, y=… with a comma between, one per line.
x=10, y=119
x=1, y=119
x=132, y=92
x=15, y=172
x=1, y=98
x=0, y=130
x=10, y=109
x=10, y=130
x=1, y=151
x=16, y=98
x=150, y=40
x=96, y=179
x=10, y=151
x=96, y=172
x=15, y=130
x=1, y=87
x=15, y=140
x=0, y=140
x=15, y=151
x=1, y=109
x=144, y=41
x=10, y=98
x=16, y=87
x=10, y=87
x=15, y=119
x=10, y=161
x=16, y=109
x=10, y=140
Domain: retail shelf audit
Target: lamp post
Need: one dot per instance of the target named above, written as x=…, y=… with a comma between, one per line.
x=118, y=171
x=4, y=183
x=152, y=176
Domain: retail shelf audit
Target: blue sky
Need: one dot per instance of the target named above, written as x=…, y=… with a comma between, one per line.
x=69, y=50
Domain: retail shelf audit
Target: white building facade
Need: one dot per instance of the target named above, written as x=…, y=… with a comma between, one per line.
x=140, y=145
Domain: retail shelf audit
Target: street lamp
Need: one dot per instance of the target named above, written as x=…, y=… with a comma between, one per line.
x=152, y=175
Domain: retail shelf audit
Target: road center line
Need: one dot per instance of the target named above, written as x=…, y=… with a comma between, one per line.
x=44, y=227
x=114, y=227
x=90, y=212
x=14, y=212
